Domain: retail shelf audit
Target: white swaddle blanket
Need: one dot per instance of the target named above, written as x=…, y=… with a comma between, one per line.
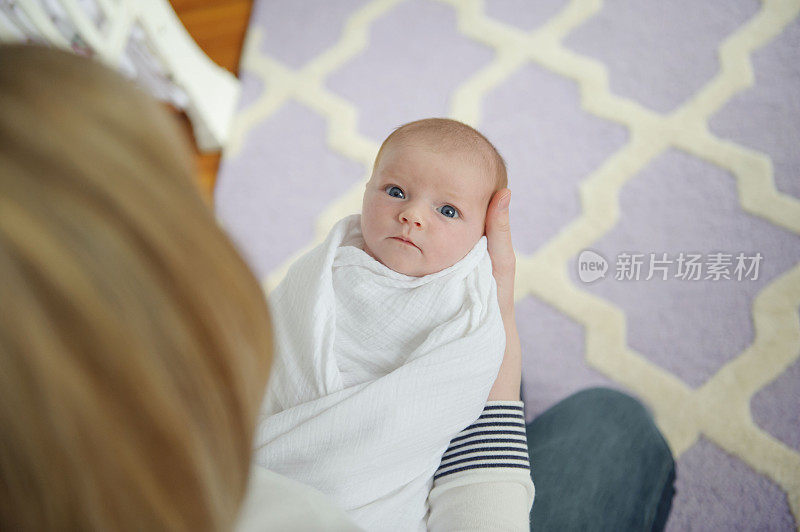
x=374, y=373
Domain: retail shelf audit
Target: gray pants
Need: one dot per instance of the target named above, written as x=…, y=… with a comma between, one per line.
x=599, y=463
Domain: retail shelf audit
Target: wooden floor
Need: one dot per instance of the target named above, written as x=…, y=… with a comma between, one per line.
x=218, y=27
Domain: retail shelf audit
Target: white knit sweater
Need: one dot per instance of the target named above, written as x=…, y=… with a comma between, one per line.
x=482, y=483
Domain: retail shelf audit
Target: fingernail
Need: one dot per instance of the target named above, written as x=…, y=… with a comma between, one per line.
x=504, y=202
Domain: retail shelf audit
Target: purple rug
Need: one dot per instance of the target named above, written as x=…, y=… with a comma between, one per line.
x=653, y=151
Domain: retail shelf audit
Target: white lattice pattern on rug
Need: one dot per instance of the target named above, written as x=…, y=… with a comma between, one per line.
x=719, y=409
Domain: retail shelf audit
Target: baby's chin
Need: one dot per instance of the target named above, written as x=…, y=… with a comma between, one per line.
x=411, y=272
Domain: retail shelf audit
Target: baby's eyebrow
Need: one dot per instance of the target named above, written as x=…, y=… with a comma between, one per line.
x=457, y=203
x=453, y=193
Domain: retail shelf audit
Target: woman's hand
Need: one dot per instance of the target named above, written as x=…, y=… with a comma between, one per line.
x=504, y=263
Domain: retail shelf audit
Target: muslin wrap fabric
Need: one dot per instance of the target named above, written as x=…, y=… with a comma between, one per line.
x=373, y=374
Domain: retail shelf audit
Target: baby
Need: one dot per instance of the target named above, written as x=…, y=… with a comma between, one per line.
x=425, y=206
x=388, y=335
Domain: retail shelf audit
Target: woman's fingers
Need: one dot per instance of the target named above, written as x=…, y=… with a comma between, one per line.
x=501, y=250
x=504, y=263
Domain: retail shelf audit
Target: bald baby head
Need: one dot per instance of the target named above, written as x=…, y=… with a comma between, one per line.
x=449, y=136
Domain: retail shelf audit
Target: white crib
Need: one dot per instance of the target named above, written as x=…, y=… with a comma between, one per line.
x=145, y=40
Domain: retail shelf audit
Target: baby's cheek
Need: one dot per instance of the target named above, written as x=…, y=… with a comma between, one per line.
x=449, y=252
x=368, y=233
x=463, y=245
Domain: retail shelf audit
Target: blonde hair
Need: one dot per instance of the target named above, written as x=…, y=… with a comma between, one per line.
x=446, y=134
x=134, y=342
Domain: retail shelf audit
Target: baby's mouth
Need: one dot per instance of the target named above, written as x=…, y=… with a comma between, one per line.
x=403, y=240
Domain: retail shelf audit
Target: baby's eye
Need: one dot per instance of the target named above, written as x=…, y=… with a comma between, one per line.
x=449, y=211
x=391, y=188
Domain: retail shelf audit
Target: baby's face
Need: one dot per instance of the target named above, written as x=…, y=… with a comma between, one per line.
x=435, y=200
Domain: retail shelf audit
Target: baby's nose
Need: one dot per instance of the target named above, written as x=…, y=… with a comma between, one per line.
x=411, y=217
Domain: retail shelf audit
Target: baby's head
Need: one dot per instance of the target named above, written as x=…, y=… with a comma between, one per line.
x=431, y=185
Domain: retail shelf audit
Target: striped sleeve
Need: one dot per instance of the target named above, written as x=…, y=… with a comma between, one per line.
x=496, y=440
